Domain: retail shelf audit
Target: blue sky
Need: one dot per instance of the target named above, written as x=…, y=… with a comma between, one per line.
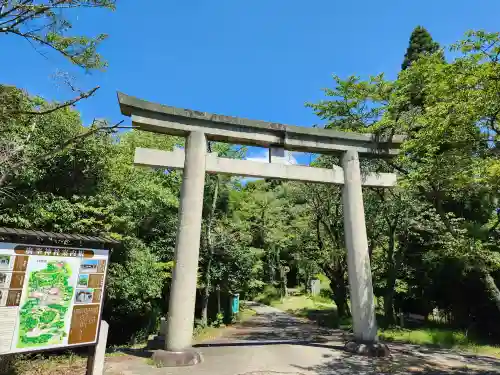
x=260, y=59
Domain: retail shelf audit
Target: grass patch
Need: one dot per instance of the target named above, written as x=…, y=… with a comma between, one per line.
x=324, y=312
x=245, y=314
x=441, y=338
x=210, y=332
x=63, y=364
x=150, y=362
x=316, y=308
x=298, y=303
x=207, y=333
x=437, y=337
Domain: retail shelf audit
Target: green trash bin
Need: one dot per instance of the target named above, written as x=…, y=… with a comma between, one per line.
x=235, y=304
x=234, y=308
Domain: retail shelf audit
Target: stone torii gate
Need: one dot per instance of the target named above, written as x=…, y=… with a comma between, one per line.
x=198, y=127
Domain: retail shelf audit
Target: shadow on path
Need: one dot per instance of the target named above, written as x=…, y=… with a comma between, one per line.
x=271, y=327
x=276, y=326
x=274, y=342
x=395, y=365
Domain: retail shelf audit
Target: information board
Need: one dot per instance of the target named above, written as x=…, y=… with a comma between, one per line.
x=50, y=297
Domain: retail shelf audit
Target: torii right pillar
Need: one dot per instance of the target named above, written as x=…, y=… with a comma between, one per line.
x=358, y=262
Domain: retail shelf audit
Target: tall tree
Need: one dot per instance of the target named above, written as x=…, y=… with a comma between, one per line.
x=450, y=161
x=420, y=43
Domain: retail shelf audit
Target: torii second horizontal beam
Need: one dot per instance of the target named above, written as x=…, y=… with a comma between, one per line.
x=248, y=168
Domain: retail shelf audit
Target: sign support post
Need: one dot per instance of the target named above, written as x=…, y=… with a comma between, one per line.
x=97, y=353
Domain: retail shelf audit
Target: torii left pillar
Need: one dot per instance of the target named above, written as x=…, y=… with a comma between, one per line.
x=178, y=351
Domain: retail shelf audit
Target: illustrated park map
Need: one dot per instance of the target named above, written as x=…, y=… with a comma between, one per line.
x=43, y=315
x=50, y=296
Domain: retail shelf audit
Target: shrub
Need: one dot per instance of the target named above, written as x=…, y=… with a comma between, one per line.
x=133, y=304
x=269, y=294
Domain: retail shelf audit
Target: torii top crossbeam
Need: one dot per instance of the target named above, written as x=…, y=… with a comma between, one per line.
x=177, y=121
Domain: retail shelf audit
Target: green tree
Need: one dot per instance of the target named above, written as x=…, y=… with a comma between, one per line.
x=35, y=131
x=215, y=210
x=47, y=23
x=449, y=167
x=453, y=158
x=421, y=43
x=94, y=189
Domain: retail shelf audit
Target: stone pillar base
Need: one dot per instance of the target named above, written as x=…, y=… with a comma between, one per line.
x=369, y=349
x=164, y=358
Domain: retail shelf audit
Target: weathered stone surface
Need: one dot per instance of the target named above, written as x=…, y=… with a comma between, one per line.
x=164, y=358
x=376, y=349
x=351, y=346
x=335, y=175
x=178, y=121
x=358, y=257
x=363, y=349
x=182, y=299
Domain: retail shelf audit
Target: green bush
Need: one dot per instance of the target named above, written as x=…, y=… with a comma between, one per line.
x=269, y=294
x=326, y=293
x=134, y=293
x=323, y=298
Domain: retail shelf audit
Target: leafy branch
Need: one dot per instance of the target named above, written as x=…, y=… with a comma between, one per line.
x=44, y=23
x=56, y=150
x=67, y=103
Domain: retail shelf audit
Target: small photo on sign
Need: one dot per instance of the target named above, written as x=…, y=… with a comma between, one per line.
x=20, y=263
x=5, y=262
x=13, y=297
x=16, y=280
x=89, y=266
x=83, y=281
x=84, y=295
x=95, y=281
x=4, y=293
x=5, y=278
x=97, y=296
x=101, y=267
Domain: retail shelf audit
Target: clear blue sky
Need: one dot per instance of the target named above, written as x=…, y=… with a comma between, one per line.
x=260, y=59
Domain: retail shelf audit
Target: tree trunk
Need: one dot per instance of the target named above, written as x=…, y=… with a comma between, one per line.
x=210, y=252
x=492, y=288
x=204, y=305
x=336, y=274
x=218, y=300
x=340, y=299
x=389, y=300
x=391, y=278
